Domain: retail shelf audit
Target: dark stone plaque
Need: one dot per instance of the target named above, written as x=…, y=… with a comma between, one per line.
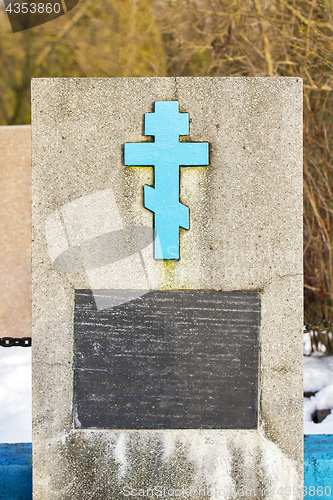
x=167, y=360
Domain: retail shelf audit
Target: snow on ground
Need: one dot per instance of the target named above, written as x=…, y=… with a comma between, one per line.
x=318, y=378
x=15, y=395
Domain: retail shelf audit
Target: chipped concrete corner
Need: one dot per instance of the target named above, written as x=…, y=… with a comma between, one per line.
x=245, y=234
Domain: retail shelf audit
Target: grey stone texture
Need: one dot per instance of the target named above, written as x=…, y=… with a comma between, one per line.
x=245, y=234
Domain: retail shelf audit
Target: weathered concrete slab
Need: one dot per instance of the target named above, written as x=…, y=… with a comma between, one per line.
x=245, y=235
x=15, y=224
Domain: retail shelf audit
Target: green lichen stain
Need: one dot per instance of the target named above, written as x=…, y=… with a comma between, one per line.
x=170, y=281
x=90, y=468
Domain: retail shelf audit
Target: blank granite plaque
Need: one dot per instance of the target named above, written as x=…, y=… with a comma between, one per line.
x=166, y=360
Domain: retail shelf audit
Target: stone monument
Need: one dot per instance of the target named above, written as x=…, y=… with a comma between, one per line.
x=167, y=288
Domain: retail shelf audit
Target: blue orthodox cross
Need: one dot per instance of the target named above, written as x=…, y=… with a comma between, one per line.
x=166, y=154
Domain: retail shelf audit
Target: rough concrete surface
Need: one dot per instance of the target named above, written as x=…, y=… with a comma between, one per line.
x=15, y=224
x=245, y=234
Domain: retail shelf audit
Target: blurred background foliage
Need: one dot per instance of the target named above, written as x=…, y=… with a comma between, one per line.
x=199, y=38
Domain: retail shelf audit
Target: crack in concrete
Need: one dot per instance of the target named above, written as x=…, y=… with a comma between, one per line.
x=275, y=278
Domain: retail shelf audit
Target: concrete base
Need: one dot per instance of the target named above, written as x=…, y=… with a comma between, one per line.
x=16, y=474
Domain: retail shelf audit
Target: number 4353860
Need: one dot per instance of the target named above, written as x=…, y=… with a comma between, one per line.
x=33, y=8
